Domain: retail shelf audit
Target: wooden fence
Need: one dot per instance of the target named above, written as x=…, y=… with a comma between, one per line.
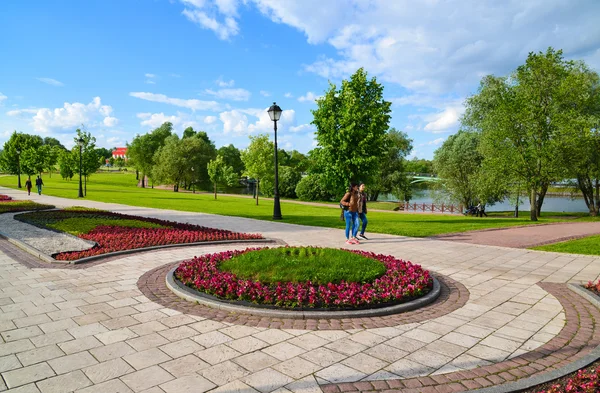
x=430, y=207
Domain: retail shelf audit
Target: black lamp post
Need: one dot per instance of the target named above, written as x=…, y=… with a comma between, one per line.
x=193, y=183
x=80, y=143
x=19, y=167
x=275, y=115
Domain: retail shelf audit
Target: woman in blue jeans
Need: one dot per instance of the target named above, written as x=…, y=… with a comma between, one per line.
x=362, y=210
x=350, y=203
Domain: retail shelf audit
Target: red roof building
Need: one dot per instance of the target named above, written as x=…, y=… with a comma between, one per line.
x=120, y=152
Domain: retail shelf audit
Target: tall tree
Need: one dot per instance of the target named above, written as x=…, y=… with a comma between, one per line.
x=391, y=176
x=221, y=173
x=90, y=161
x=351, y=125
x=143, y=148
x=17, y=145
x=258, y=160
x=457, y=163
x=232, y=157
x=520, y=118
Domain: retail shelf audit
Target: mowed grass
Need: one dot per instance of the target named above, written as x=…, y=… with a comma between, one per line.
x=588, y=245
x=318, y=265
x=122, y=188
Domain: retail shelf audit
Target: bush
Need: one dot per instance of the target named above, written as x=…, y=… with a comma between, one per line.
x=288, y=180
x=313, y=188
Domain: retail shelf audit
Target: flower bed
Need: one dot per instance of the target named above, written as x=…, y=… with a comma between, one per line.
x=4, y=198
x=12, y=206
x=583, y=381
x=402, y=281
x=594, y=287
x=117, y=232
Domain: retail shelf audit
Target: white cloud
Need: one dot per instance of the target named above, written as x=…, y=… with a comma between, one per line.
x=110, y=121
x=221, y=83
x=150, y=75
x=248, y=121
x=230, y=94
x=436, y=142
x=218, y=16
x=303, y=128
x=175, y=75
x=193, y=104
x=150, y=82
x=308, y=97
x=265, y=93
x=69, y=116
x=210, y=119
x=444, y=121
x=2, y=97
x=154, y=120
x=51, y=81
x=288, y=95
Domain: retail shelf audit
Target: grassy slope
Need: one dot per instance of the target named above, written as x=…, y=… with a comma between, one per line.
x=121, y=188
x=588, y=245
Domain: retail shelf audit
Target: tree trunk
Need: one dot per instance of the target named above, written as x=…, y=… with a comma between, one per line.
x=215, y=190
x=143, y=178
x=137, y=175
x=596, y=199
x=533, y=204
x=85, y=186
x=540, y=200
x=257, y=183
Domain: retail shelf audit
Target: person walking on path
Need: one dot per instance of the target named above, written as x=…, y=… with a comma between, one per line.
x=350, y=204
x=28, y=185
x=362, y=210
x=39, y=183
x=481, y=210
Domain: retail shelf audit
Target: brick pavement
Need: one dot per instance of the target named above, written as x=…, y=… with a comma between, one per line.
x=92, y=329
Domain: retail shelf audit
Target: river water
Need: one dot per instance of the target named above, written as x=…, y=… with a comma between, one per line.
x=551, y=203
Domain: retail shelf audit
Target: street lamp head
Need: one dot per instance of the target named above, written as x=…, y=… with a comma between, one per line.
x=275, y=112
x=80, y=141
x=18, y=151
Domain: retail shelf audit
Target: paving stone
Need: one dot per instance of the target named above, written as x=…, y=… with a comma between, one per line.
x=239, y=331
x=72, y=362
x=113, y=386
x=87, y=330
x=211, y=339
x=386, y=352
x=121, y=322
x=256, y=361
x=247, y=344
x=31, y=388
x=30, y=321
x=64, y=383
x=339, y=373
x=364, y=363
x=55, y=326
x=323, y=357
x=207, y=326
x=146, y=342
x=115, y=336
x=147, y=328
x=39, y=355
x=9, y=362
x=346, y=346
x=178, y=333
x=308, y=341
x=181, y=348
x=51, y=338
x=407, y=368
x=90, y=318
x=146, y=378
x=108, y=370
x=267, y=380
x=15, y=347
x=147, y=358
x=188, y=384
x=177, y=320
x=217, y=354
x=224, y=372
x=25, y=375
x=22, y=333
x=185, y=365
x=235, y=387
x=284, y=351
x=80, y=344
x=112, y=351
x=296, y=367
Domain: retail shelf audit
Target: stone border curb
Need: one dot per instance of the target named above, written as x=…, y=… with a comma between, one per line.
x=152, y=248
x=193, y=296
x=530, y=382
x=33, y=251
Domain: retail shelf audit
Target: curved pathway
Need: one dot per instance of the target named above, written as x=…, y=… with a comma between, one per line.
x=91, y=328
x=526, y=236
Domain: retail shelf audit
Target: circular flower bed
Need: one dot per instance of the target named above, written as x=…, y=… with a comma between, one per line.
x=402, y=281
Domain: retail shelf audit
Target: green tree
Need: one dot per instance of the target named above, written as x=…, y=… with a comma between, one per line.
x=221, y=173
x=391, y=176
x=419, y=166
x=258, y=160
x=119, y=162
x=53, y=142
x=457, y=163
x=66, y=163
x=17, y=145
x=90, y=161
x=289, y=177
x=524, y=124
x=313, y=187
x=143, y=148
x=351, y=125
x=232, y=157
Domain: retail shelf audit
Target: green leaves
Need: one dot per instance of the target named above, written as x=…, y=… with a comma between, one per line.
x=351, y=124
x=221, y=173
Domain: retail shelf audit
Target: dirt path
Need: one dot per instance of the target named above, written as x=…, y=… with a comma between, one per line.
x=525, y=236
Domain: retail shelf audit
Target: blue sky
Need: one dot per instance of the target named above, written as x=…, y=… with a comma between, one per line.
x=122, y=67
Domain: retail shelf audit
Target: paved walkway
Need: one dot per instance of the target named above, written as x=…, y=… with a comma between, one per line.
x=91, y=329
x=526, y=236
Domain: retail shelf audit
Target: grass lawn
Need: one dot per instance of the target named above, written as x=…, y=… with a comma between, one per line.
x=588, y=245
x=319, y=265
x=122, y=188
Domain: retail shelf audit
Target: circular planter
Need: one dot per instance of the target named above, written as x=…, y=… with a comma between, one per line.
x=192, y=295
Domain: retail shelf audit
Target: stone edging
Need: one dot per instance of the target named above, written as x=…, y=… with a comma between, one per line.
x=453, y=296
x=33, y=251
x=191, y=295
x=575, y=346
